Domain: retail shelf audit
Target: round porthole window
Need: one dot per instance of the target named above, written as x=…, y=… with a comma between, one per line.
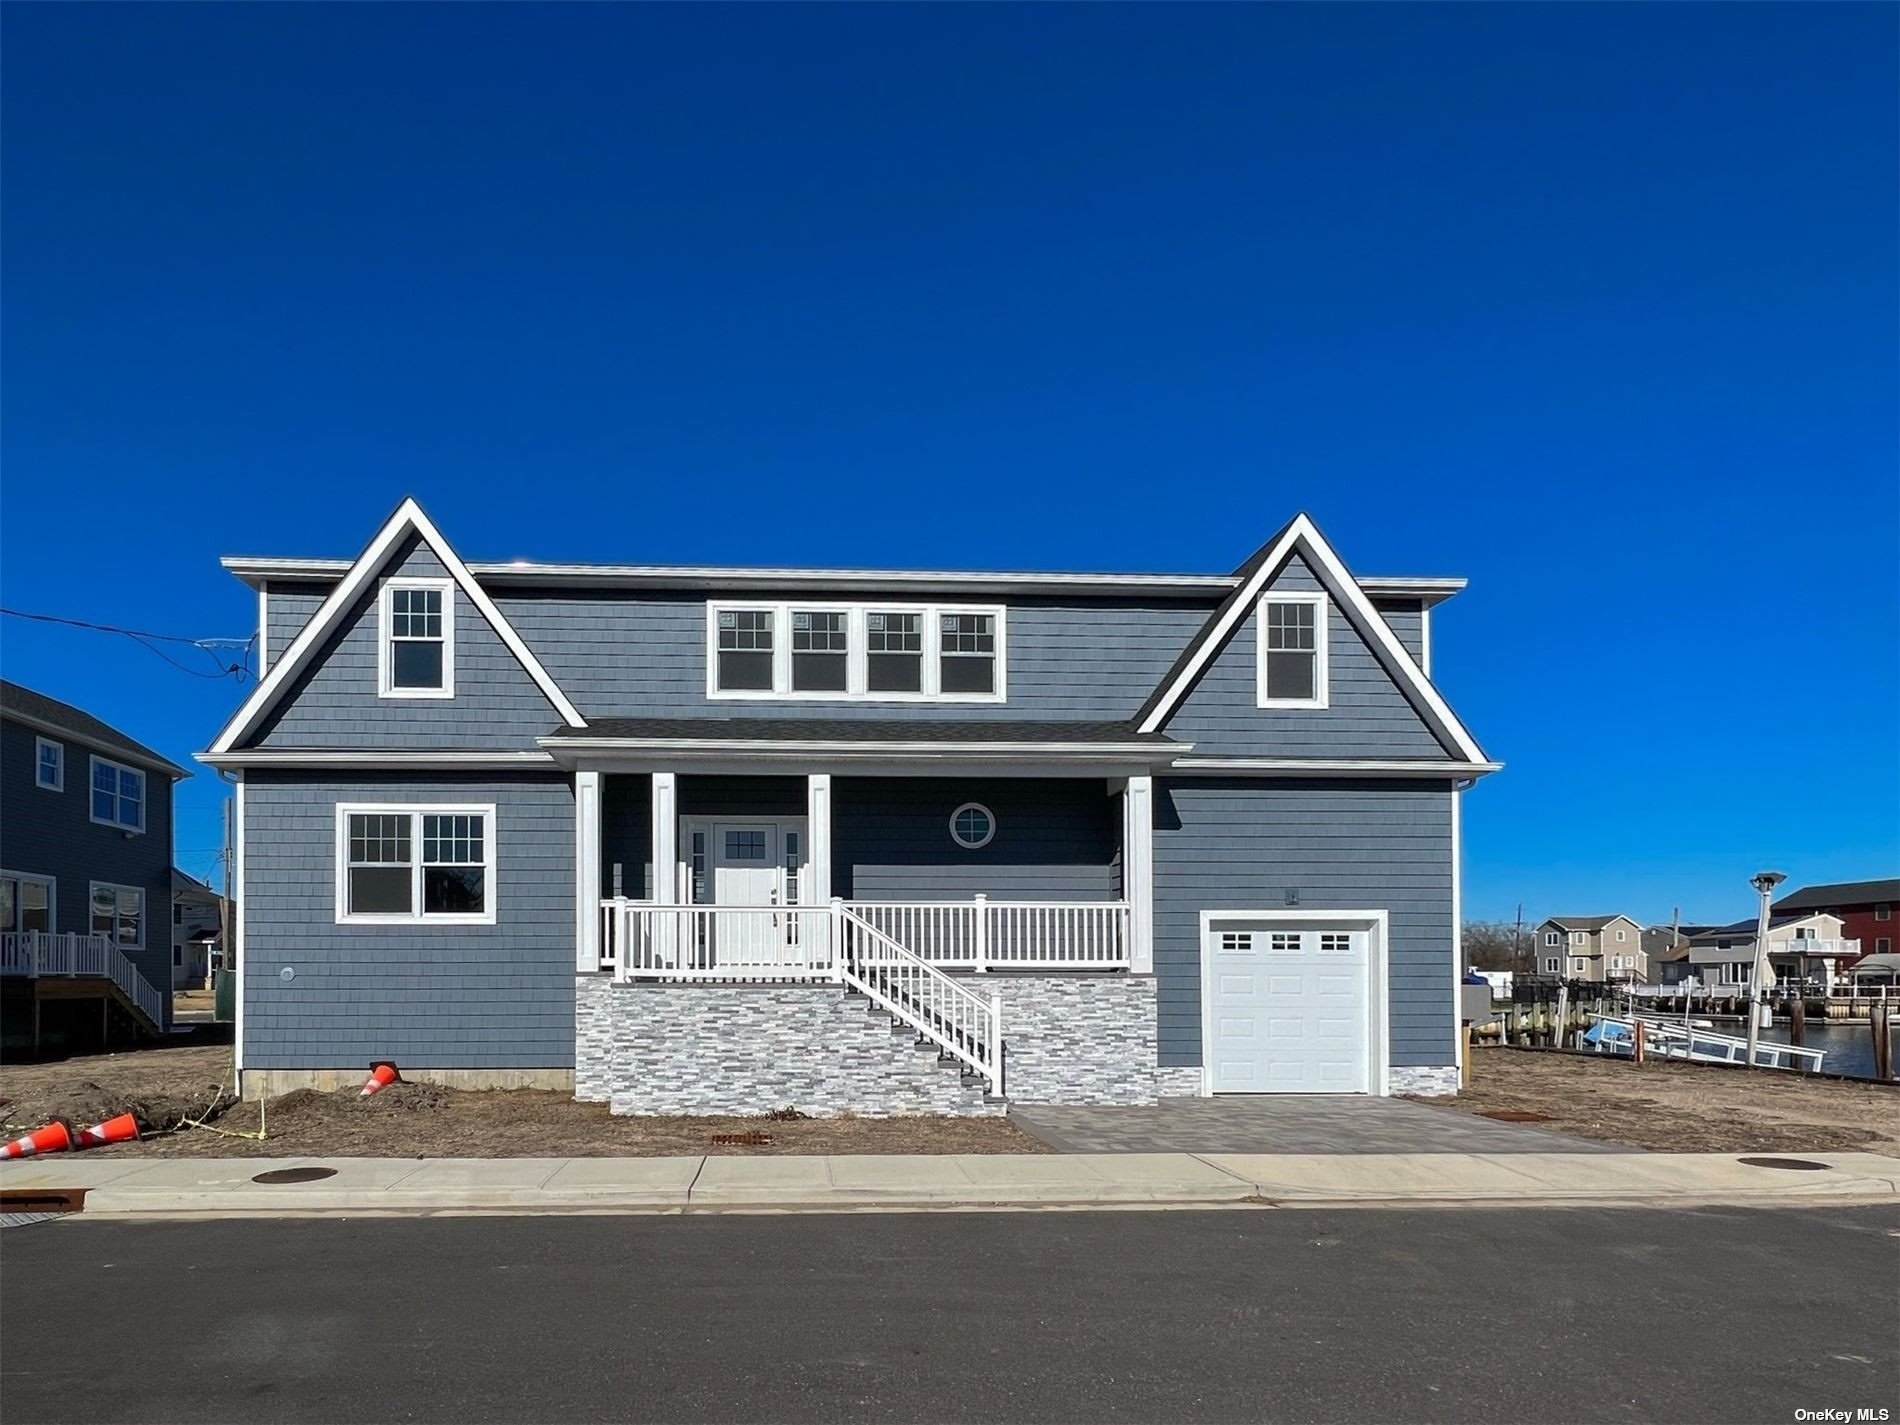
x=972, y=826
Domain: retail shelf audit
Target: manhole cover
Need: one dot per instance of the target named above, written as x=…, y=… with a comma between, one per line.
x=1799, y=1165
x=294, y=1175
x=1515, y=1115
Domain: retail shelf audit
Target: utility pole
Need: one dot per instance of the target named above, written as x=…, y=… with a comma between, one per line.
x=1764, y=883
x=1517, y=942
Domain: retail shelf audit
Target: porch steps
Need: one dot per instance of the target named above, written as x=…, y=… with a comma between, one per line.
x=975, y=1087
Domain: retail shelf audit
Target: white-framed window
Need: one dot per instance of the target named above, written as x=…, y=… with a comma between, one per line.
x=1290, y=660
x=1884, y=911
x=856, y=652
x=1284, y=942
x=1334, y=942
x=1621, y=936
x=1551, y=937
x=1237, y=941
x=27, y=902
x=415, y=644
x=1577, y=967
x=1806, y=932
x=972, y=826
x=118, y=913
x=1883, y=945
x=49, y=764
x=415, y=865
x=1551, y=964
x=1737, y=972
x=118, y=795
x=1579, y=937
x=1622, y=962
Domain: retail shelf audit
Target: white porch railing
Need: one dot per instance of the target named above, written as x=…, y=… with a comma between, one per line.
x=961, y=1023
x=781, y=944
x=38, y=954
x=982, y=934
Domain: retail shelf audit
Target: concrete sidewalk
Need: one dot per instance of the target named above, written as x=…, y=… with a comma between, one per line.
x=145, y=1186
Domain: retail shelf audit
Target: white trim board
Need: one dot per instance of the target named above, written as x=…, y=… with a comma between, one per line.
x=500, y=761
x=408, y=518
x=385, y=640
x=52, y=896
x=415, y=811
x=1302, y=536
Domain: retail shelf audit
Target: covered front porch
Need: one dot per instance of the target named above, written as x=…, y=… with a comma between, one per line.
x=759, y=876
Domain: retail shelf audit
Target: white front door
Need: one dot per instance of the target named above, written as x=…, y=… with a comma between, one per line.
x=1289, y=1007
x=754, y=866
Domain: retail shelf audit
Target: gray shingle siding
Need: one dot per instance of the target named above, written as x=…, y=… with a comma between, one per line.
x=287, y=609
x=645, y=655
x=460, y=996
x=334, y=702
x=1407, y=622
x=1368, y=717
x=49, y=833
x=1241, y=845
x=1055, y=839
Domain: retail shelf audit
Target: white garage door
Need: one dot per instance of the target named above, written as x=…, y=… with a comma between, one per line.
x=1289, y=1006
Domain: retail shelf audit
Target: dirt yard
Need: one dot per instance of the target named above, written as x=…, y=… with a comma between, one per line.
x=165, y=1086
x=1681, y=1108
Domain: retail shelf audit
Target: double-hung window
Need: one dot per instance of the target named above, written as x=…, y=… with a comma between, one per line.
x=422, y=864
x=856, y=652
x=26, y=902
x=1552, y=938
x=1291, y=670
x=118, y=795
x=416, y=650
x=49, y=764
x=118, y=913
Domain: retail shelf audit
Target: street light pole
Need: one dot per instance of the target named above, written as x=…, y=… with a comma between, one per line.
x=1764, y=883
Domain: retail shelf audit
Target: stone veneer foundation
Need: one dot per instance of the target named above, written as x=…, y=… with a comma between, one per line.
x=1429, y=1082
x=747, y=1049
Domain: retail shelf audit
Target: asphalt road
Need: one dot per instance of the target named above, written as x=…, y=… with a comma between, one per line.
x=1362, y=1316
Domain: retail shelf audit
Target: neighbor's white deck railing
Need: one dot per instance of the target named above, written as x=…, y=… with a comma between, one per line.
x=1672, y=1039
x=982, y=934
x=41, y=954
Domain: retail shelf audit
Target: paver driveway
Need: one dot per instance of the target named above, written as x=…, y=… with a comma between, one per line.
x=1289, y=1123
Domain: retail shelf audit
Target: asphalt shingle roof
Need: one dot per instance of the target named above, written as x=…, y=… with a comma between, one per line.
x=1840, y=893
x=867, y=730
x=82, y=725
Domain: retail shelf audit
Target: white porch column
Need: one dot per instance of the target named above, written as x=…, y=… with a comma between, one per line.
x=818, y=828
x=663, y=888
x=587, y=870
x=818, y=865
x=1138, y=868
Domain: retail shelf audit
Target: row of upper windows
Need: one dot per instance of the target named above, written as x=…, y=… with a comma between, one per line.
x=872, y=652
x=118, y=791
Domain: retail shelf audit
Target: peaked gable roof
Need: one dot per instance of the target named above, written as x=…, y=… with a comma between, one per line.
x=1301, y=536
x=1587, y=922
x=408, y=519
x=60, y=719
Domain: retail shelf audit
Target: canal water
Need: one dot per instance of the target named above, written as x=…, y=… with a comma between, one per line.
x=1850, y=1047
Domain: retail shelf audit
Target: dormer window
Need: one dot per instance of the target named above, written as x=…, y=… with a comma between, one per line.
x=417, y=655
x=856, y=652
x=1292, y=651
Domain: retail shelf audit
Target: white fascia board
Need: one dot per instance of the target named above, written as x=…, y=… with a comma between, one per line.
x=377, y=758
x=408, y=518
x=1303, y=536
x=255, y=569
x=1334, y=767
x=790, y=766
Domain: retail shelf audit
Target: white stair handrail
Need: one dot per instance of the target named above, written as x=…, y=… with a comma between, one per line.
x=960, y=1023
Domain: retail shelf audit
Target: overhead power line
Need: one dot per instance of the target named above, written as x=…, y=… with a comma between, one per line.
x=239, y=670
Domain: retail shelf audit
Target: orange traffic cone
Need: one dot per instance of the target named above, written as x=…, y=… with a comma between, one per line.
x=123, y=1129
x=381, y=1076
x=55, y=1137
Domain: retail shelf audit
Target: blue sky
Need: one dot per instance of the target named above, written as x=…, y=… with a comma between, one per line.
x=1592, y=305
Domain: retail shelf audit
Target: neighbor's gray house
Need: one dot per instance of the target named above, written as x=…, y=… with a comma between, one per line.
x=666, y=834
x=85, y=877
x=1592, y=947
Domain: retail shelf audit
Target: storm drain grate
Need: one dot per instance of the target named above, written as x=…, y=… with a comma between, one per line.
x=294, y=1175
x=741, y=1140
x=43, y=1200
x=1514, y=1115
x=1799, y=1165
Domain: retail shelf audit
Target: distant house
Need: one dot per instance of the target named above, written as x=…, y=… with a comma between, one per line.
x=197, y=929
x=86, y=847
x=1803, y=949
x=1865, y=907
x=1666, y=951
x=1592, y=947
